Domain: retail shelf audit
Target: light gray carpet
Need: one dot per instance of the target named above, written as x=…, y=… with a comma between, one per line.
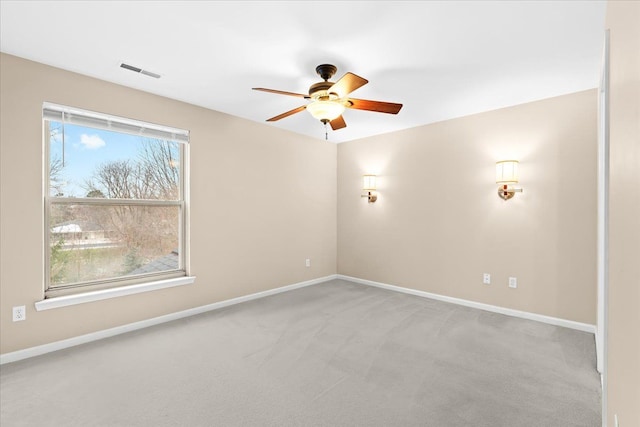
x=334, y=354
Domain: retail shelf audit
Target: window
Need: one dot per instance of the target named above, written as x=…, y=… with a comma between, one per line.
x=114, y=201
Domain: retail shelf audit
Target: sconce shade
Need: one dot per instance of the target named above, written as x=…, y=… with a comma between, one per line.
x=325, y=110
x=369, y=182
x=507, y=172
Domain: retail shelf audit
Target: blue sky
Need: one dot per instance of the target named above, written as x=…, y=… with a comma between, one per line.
x=85, y=149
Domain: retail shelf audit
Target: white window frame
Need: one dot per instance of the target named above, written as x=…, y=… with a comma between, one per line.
x=93, y=290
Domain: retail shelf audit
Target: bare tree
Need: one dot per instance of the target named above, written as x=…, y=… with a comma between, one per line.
x=161, y=164
x=56, y=180
x=153, y=175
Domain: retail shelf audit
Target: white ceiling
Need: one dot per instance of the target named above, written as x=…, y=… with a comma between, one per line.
x=441, y=59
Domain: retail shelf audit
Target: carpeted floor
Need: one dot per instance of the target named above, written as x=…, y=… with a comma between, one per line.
x=334, y=354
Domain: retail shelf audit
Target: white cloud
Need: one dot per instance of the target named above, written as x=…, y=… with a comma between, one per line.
x=91, y=142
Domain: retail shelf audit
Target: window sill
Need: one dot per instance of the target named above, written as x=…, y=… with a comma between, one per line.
x=67, y=300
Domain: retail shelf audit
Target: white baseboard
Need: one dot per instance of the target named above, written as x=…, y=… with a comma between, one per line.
x=94, y=336
x=585, y=327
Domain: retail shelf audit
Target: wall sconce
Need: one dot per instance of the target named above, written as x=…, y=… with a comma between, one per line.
x=507, y=174
x=369, y=185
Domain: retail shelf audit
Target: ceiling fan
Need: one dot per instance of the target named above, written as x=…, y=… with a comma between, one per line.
x=329, y=99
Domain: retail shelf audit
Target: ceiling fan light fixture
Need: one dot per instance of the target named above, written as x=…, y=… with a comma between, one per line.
x=328, y=100
x=325, y=110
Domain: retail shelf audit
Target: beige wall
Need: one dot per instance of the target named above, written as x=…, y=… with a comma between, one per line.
x=437, y=226
x=623, y=367
x=262, y=200
x=438, y=223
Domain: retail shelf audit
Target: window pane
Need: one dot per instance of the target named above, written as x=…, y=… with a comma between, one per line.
x=90, y=242
x=89, y=162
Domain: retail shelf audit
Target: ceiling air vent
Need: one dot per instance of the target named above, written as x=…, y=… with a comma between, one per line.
x=139, y=70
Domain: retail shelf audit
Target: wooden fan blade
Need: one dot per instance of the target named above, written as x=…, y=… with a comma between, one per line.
x=287, y=114
x=281, y=92
x=347, y=84
x=338, y=123
x=378, y=106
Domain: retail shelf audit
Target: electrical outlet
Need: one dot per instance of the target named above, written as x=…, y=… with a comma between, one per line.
x=486, y=278
x=19, y=313
x=513, y=282
x=307, y=262
x=615, y=419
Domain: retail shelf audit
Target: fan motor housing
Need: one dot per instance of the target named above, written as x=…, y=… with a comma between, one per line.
x=323, y=88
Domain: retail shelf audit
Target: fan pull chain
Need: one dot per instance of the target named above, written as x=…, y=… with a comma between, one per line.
x=326, y=134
